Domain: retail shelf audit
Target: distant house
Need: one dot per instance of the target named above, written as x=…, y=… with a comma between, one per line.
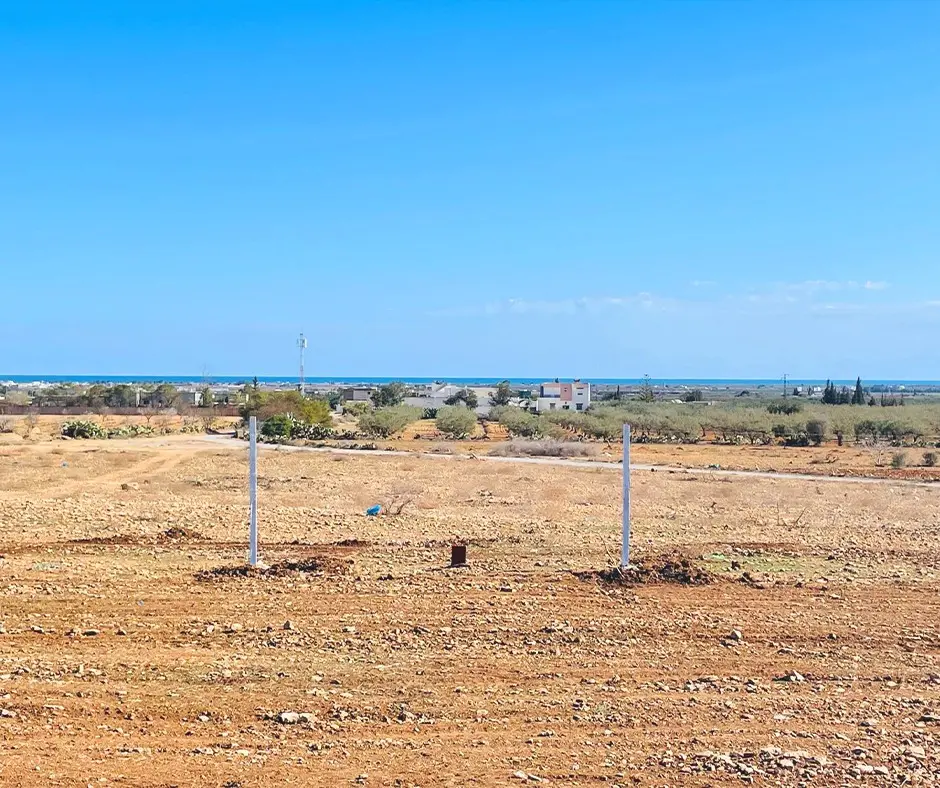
x=189, y=398
x=356, y=394
x=563, y=396
x=436, y=395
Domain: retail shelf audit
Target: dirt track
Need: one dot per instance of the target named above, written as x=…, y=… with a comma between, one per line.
x=233, y=443
x=415, y=674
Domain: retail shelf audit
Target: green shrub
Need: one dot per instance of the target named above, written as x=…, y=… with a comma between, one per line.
x=899, y=459
x=930, y=458
x=463, y=397
x=383, y=422
x=356, y=408
x=130, y=431
x=544, y=448
x=787, y=407
x=313, y=432
x=265, y=404
x=456, y=422
x=390, y=395
x=519, y=422
x=279, y=427
x=793, y=434
x=83, y=429
x=817, y=430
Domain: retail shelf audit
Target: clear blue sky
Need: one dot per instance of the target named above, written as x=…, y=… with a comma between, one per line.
x=508, y=188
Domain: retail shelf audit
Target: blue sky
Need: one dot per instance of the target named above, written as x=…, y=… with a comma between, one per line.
x=598, y=189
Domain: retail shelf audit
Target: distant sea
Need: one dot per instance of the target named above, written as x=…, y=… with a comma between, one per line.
x=365, y=379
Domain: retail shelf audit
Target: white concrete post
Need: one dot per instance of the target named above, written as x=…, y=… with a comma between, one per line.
x=253, y=490
x=625, y=547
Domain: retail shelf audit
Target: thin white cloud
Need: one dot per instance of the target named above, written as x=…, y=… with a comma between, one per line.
x=815, y=286
x=583, y=305
x=806, y=297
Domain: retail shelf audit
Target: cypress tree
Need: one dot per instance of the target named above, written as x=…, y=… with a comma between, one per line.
x=859, y=396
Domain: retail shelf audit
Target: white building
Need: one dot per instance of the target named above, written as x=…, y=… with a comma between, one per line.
x=564, y=396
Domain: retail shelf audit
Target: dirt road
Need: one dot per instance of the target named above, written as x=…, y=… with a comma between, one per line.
x=223, y=440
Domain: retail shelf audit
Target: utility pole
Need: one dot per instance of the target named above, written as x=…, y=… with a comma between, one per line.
x=625, y=542
x=785, y=388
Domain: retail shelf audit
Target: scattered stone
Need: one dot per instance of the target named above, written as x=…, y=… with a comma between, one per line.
x=792, y=676
x=91, y=633
x=288, y=718
x=289, y=626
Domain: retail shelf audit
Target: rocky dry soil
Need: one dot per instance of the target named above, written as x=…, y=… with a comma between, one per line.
x=776, y=632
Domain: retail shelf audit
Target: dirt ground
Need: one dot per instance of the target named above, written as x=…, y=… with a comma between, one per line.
x=422, y=437
x=129, y=656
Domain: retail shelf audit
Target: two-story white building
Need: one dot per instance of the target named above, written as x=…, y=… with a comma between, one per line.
x=563, y=396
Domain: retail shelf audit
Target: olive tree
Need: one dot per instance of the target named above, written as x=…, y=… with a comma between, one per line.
x=456, y=422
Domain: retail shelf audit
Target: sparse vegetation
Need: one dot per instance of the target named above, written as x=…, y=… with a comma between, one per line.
x=817, y=430
x=930, y=459
x=278, y=428
x=646, y=391
x=465, y=397
x=899, y=459
x=356, y=408
x=544, y=448
x=502, y=396
x=730, y=422
x=455, y=422
x=265, y=404
x=390, y=395
x=519, y=422
x=83, y=429
x=383, y=422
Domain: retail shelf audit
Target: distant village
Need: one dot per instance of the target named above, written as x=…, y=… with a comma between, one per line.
x=555, y=395
x=16, y=397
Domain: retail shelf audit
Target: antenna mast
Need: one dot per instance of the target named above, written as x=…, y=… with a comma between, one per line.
x=302, y=344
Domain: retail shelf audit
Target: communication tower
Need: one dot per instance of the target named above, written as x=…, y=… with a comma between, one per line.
x=302, y=344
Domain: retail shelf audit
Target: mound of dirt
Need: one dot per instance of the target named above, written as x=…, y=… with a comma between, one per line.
x=106, y=540
x=673, y=569
x=323, y=565
x=170, y=535
x=177, y=534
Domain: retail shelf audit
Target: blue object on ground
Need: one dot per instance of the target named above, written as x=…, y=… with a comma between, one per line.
x=373, y=511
